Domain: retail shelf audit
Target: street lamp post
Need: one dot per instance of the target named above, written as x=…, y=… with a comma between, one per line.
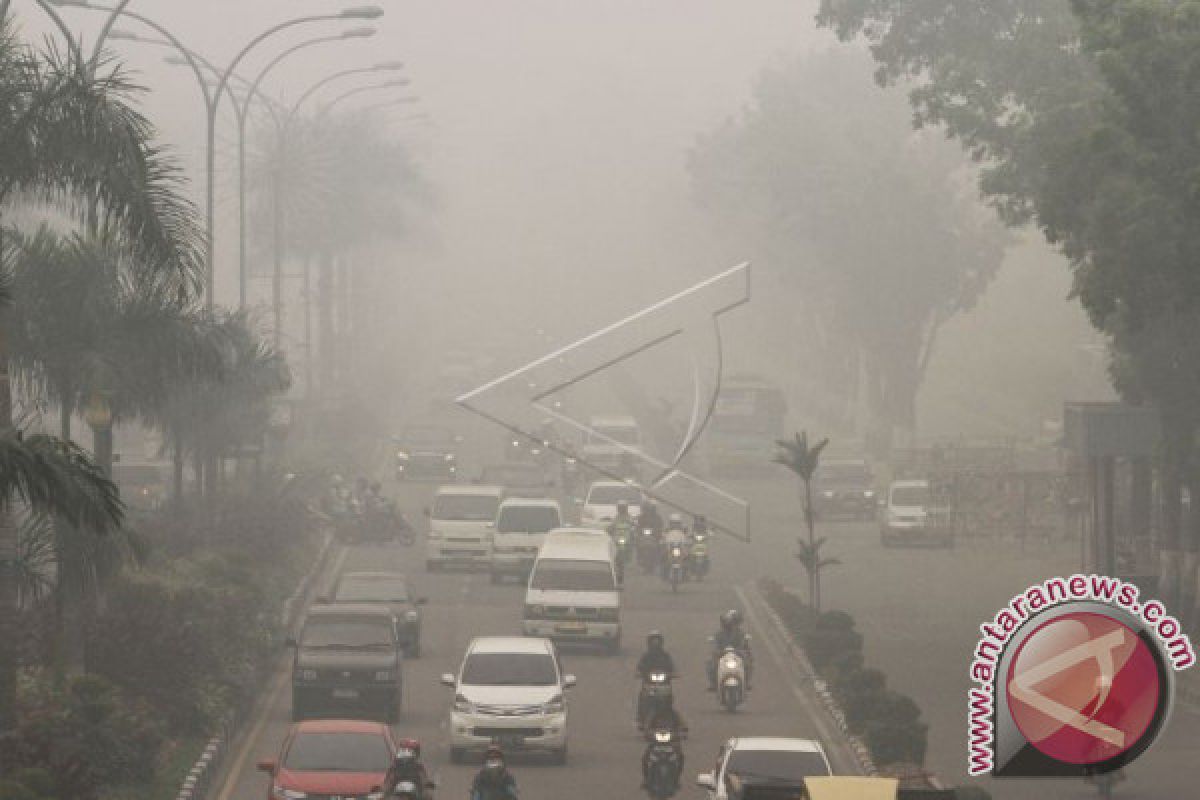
x=346, y=95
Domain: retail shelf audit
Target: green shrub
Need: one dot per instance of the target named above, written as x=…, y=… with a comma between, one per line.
x=892, y=742
x=857, y=683
x=15, y=790
x=831, y=640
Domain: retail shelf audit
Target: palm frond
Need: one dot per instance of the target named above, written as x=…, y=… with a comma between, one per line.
x=54, y=477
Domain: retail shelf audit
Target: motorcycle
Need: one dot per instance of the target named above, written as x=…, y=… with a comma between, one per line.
x=647, y=550
x=661, y=764
x=676, y=570
x=698, y=563
x=731, y=679
x=656, y=693
x=621, y=540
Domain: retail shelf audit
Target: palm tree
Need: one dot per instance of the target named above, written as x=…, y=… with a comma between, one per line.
x=796, y=455
x=69, y=137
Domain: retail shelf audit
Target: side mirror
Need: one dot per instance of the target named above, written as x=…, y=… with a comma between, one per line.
x=269, y=766
x=569, y=681
x=707, y=780
x=448, y=679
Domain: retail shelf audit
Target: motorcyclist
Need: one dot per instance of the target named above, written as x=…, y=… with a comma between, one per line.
x=494, y=781
x=665, y=719
x=622, y=522
x=656, y=658
x=675, y=536
x=699, y=525
x=648, y=516
x=407, y=766
x=730, y=634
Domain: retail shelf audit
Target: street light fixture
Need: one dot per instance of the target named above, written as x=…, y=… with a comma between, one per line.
x=346, y=95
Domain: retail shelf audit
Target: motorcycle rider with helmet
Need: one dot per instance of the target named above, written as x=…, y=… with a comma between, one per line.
x=730, y=634
x=676, y=535
x=407, y=766
x=648, y=516
x=655, y=659
x=494, y=781
x=622, y=522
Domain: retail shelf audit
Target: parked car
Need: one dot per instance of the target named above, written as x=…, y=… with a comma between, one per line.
x=331, y=758
x=390, y=589
x=427, y=452
x=907, y=519
x=771, y=764
x=510, y=690
x=461, y=522
x=845, y=488
x=521, y=526
x=347, y=663
x=519, y=478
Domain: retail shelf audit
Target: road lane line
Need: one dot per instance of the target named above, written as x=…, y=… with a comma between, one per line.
x=789, y=670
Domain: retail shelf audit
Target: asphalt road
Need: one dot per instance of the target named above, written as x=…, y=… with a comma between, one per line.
x=605, y=749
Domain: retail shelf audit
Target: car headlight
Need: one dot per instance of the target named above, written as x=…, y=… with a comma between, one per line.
x=401, y=455
x=281, y=793
x=555, y=706
x=731, y=663
x=411, y=615
x=463, y=705
x=308, y=675
x=827, y=494
x=868, y=493
x=516, y=443
x=384, y=675
x=534, y=610
x=449, y=456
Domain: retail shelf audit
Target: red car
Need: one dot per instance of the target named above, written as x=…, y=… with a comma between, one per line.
x=327, y=758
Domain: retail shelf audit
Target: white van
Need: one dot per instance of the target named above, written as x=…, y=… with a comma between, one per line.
x=461, y=522
x=573, y=594
x=521, y=526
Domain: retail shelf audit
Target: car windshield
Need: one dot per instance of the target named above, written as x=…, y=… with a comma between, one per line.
x=466, y=507
x=527, y=519
x=835, y=473
x=509, y=669
x=611, y=495
x=347, y=632
x=910, y=496
x=338, y=752
x=514, y=475
x=371, y=590
x=779, y=765
x=427, y=438
x=570, y=575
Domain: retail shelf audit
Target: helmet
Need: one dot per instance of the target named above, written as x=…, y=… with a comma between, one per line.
x=654, y=637
x=700, y=521
x=731, y=618
x=411, y=744
x=675, y=521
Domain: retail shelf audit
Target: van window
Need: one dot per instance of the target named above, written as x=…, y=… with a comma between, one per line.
x=465, y=507
x=573, y=575
x=527, y=519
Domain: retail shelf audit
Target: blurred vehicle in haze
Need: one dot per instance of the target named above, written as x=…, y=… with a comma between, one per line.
x=461, y=522
x=600, y=503
x=844, y=488
x=143, y=484
x=521, y=527
x=331, y=758
x=386, y=588
x=426, y=452
x=609, y=446
x=519, y=478
x=746, y=421
x=908, y=516
x=573, y=593
x=347, y=663
x=510, y=691
x=765, y=767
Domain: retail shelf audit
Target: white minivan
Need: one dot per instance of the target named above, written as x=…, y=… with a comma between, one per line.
x=521, y=526
x=573, y=594
x=461, y=522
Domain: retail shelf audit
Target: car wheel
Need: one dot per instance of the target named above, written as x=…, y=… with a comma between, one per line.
x=559, y=757
x=457, y=755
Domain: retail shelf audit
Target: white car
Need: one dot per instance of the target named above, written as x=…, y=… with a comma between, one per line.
x=509, y=690
x=461, y=523
x=600, y=503
x=773, y=761
x=906, y=517
x=521, y=527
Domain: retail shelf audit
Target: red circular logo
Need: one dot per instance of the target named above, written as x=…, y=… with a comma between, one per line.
x=1083, y=688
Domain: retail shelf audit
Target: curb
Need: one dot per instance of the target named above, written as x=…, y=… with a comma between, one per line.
x=818, y=686
x=200, y=777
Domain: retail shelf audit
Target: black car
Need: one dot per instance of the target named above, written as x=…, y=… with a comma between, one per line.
x=845, y=489
x=347, y=663
x=427, y=452
x=390, y=589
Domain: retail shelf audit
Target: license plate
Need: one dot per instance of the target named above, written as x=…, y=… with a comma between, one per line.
x=572, y=627
x=345, y=694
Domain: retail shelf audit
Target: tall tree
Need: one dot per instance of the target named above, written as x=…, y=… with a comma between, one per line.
x=803, y=460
